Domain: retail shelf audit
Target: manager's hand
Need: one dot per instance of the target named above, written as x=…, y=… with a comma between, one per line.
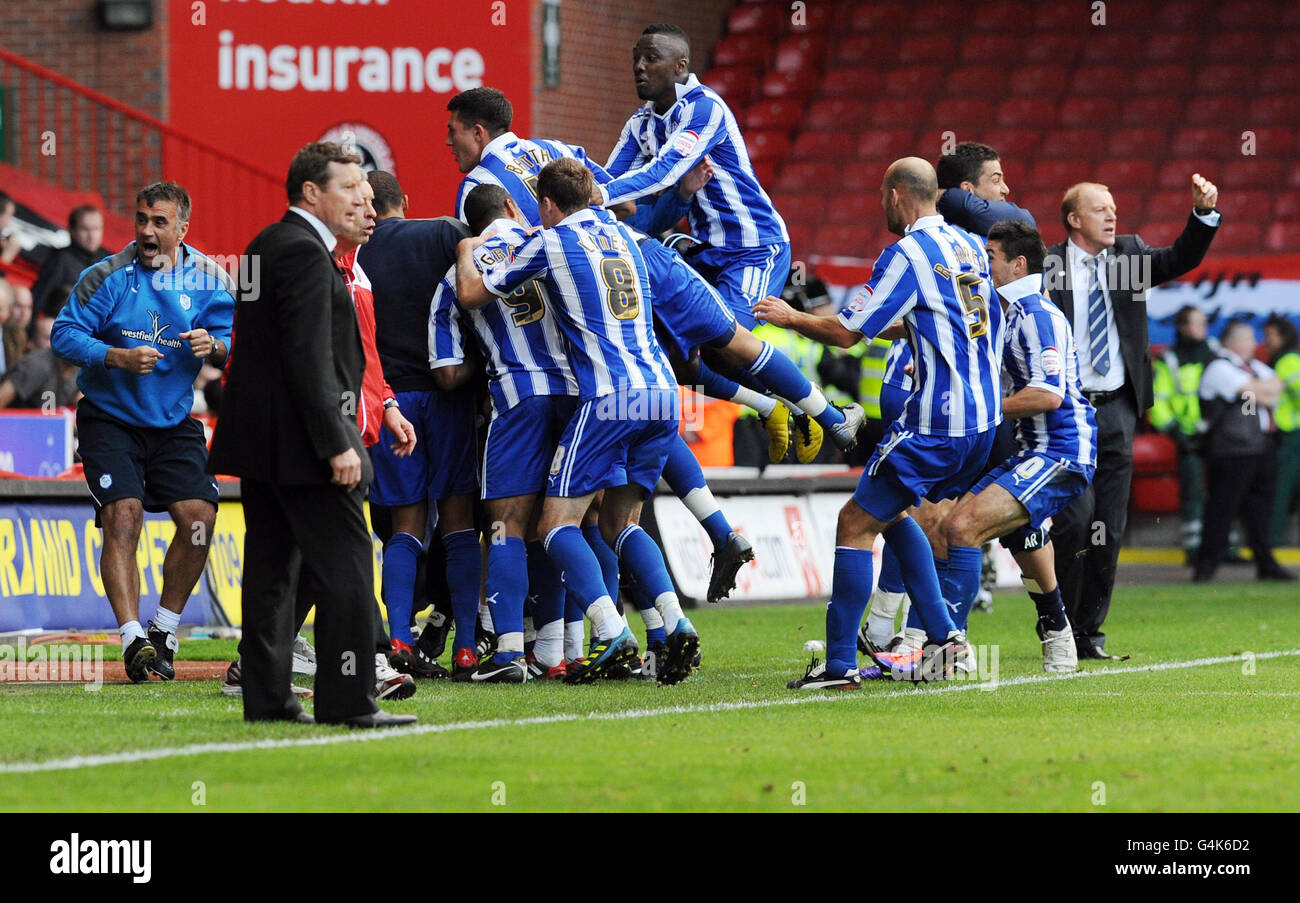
x=139, y=360
x=346, y=469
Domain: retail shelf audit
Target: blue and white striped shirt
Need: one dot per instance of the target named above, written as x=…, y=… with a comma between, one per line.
x=596, y=281
x=1039, y=353
x=513, y=163
x=521, y=341
x=936, y=278
x=654, y=152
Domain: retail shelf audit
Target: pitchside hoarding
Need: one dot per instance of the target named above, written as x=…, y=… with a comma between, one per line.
x=261, y=78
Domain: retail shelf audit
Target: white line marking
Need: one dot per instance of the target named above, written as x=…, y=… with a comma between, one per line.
x=198, y=749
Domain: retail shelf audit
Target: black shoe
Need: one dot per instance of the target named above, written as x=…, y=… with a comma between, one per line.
x=1201, y=575
x=604, y=655
x=1276, y=572
x=816, y=678
x=298, y=717
x=496, y=670
x=654, y=660
x=412, y=660
x=463, y=665
x=432, y=641
x=865, y=646
x=379, y=719
x=1088, y=650
x=138, y=657
x=165, y=645
x=727, y=564
x=683, y=643
x=485, y=642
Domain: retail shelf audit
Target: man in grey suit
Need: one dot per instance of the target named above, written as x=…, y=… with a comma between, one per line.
x=1100, y=281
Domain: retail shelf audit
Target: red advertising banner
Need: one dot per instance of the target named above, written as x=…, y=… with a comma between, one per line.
x=261, y=78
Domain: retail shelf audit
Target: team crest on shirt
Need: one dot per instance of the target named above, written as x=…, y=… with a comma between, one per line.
x=685, y=142
x=185, y=302
x=861, y=299
x=1051, y=361
x=105, y=481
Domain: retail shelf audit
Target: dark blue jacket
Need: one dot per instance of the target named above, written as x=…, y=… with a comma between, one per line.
x=976, y=215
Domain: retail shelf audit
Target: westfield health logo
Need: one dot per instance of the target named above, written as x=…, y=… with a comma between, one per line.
x=102, y=857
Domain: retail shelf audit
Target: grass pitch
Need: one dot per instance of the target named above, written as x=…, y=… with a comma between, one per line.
x=1121, y=736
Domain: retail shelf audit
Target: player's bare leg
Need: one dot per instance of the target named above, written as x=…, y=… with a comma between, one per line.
x=122, y=521
x=186, y=556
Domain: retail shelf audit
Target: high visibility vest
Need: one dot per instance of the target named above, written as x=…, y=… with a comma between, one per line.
x=1177, y=394
x=1287, y=413
x=802, y=351
x=873, y=355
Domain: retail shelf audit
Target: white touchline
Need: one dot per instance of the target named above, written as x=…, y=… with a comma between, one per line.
x=198, y=749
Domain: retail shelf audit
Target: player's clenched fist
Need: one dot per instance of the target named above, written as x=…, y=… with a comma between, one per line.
x=139, y=360
x=774, y=311
x=201, y=343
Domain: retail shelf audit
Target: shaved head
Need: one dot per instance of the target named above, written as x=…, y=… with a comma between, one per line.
x=914, y=178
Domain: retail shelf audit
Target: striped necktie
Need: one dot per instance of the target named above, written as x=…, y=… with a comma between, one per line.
x=1098, y=321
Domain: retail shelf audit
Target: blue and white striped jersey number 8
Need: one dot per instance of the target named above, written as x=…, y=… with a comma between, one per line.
x=975, y=304
x=622, y=295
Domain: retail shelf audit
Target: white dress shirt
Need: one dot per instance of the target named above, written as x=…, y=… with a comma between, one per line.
x=321, y=229
x=1223, y=378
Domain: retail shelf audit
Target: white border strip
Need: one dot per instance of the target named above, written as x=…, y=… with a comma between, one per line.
x=198, y=749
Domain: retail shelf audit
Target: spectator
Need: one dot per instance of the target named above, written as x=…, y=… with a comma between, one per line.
x=64, y=266
x=1280, y=338
x=41, y=333
x=9, y=243
x=16, y=331
x=1237, y=393
x=1176, y=412
x=6, y=310
x=40, y=380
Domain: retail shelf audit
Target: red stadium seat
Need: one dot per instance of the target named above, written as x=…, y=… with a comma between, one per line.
x=803, y=177
x=964, y=81
x=843, y=241
x=1169, y=79
x=855, y=82
x=824, y=144
x=1072, y=143
x=960, y=112
x=1177, y=173
x=1286, y=47
x=878, y=18
x=1036, y=112
x=1234, y=47
x=1160, y=235
x=838, y=113
x=914, y=81
x=1287, y=205
x=1204, y=141
x=990, y=48
x=1043, y=202
x=1283, y=236
x=1094, y=113
x=1154, y=454
x=1276, y=109
x=894, y=111
x=1129, y=204
x=1106, y=45
x=851, y=208
x=1235, y=12
x=1173, y=46
x=1137, y=142
x=736, y=84
x=1240, y=237
x=801, y=53
x=936, y=17
x=767, y=144
x=1278, y=78
x=781, y=113
x=815, y=17
x=787, y=84
x=801, y=240
x=886, y=144
x=1225, y=78
x=1015, y=174
x=1059, y=173
x=1060, y=47
x=1240, y=205
x=1290, y=18
x=998, y=17
x=1213, y=110
x=1100, y=82
x=1178, y=15
x=1132, y=173
x=1057, y=15
x=937, y=47
x=1293, y=175
x=1170, y=204
x=1038, y=79
x=855, y=49
x=743, y=50
x=757, y=18
x=1155, y=494
x=1016, y=143
x=1151, y=111
x=1251, y=172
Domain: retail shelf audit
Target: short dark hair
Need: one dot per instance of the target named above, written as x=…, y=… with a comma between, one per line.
x=312, y=164
x=166, y=191
x=388, y=191
x=484, y=203
x=567, y=183
x=963, y=164
x=1233, y=324
x=1183, y=314
x=1019, y=239
x=672, y=31
x=75, y=215
x=5, y=200
x=487, y=107
x=1287, y=329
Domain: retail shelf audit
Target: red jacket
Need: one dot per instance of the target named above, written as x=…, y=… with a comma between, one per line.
x=374, y=388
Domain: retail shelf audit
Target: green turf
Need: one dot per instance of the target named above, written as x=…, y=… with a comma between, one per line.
x=1204, y=738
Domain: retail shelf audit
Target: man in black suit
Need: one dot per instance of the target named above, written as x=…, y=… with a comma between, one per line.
x=288, y=429
x=1100, y=281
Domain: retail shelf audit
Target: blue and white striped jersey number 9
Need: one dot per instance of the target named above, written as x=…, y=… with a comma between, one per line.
x=525, y=304
x=623, y=295
x=977, y=308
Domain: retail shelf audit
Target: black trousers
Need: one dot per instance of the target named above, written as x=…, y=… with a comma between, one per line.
x=1087, y=536
x=1240, y=486
x=327, y=526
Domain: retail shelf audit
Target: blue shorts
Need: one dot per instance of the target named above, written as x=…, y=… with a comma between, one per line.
x=689, y=308
x=892, y=400
x=1044, y=484
x=521, y=443
x=615, y=440
x=446, y=446
x=747, y=275
x=908, y=467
